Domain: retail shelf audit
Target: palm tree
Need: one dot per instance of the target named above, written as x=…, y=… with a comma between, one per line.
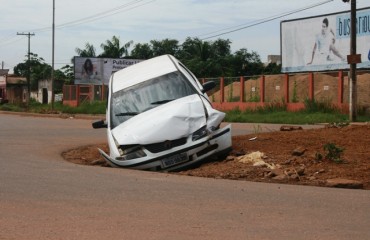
x=196, y=48
x=113, y=49
x=197, y=55
x=89, y=51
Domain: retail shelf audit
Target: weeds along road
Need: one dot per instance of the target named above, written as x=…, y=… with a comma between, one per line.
x=44, y=197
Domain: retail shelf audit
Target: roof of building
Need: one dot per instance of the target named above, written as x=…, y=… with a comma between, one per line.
x=4, y=72
x=16, y=80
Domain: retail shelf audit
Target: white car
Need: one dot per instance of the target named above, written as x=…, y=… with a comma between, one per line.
x=160, y=118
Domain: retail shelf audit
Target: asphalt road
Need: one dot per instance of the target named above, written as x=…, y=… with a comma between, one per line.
x=44, y=197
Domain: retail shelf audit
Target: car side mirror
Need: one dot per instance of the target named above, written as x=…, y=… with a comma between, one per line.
x=99, y=124
x=208, y=86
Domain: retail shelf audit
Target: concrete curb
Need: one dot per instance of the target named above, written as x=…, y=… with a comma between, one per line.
x=57, y=115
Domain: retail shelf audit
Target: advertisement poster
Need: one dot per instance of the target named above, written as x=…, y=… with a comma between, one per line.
x=97, y=71
x=322, y=43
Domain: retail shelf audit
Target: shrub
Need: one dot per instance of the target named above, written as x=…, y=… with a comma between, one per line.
x=313, y=106
x=333, y=152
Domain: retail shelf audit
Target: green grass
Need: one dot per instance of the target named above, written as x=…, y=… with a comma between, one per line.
x=11, y=108
x=272, y=113
x=314, y=112
x=35, y=107
x=85, y=108
x=284, y=117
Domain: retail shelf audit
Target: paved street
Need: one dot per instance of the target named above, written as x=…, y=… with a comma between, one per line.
x=44, y=197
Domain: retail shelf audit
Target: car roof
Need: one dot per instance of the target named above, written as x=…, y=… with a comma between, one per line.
x=143, y=71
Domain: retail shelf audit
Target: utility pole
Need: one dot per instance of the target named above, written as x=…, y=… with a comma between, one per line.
x=353, y=66
x=353, y=59
x=52, y=60
x=28, y=64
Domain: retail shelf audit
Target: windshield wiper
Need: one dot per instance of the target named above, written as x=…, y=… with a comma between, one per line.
x=127, y=114
x=162, y=101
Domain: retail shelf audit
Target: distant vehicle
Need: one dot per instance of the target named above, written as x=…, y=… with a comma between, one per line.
x=159, y=118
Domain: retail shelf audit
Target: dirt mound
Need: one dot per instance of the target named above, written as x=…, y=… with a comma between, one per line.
x=333, y=156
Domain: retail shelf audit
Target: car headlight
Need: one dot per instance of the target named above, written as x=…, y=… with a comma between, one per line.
x=129, y=153
x=200, y=133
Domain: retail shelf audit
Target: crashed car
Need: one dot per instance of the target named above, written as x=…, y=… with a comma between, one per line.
x=159, y=118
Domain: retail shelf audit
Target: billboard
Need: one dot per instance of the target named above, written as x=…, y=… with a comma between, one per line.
x=322, y=43
x=97, y=71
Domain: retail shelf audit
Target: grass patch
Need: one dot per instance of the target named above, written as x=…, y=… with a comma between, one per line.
x=11, y=108
x=313, y=106
x=314, y=112
x=270, y=113
x=284, y=117
x=98, y=107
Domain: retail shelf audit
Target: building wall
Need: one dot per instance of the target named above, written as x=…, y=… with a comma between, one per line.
x=39, y=95
x=16, y=93
x=2, y=88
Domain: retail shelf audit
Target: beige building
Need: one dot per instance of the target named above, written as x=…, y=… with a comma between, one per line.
x=273, y=59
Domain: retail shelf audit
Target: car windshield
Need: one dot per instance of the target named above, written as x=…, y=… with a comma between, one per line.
x=141, y=97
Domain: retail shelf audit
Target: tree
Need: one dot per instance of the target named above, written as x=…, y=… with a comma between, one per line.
x=68, y=72
x=113, y=49
x=142, y=51
x=195, y=48
x=89, y=51
x=197, y=56
x=39, y=70
x=272, y=68
x=166, y=46
x=203, y=58
x=59, y=80
x=222, y=57
x=246, y=63
x=221, y=48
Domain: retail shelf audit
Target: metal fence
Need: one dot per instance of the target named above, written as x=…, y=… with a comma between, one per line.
x=74, y=95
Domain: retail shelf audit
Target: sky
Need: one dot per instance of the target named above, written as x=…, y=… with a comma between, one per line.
x=95, y=22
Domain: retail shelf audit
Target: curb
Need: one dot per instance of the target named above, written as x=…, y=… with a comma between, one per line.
x=57, y=115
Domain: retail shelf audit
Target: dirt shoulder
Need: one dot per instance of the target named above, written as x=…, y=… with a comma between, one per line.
x=293, y=156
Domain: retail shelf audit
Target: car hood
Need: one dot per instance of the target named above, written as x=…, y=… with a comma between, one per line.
x=170, y=121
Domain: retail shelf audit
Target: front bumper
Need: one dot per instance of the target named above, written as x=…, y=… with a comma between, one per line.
x=183, y=156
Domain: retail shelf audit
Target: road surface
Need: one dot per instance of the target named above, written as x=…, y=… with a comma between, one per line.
x=44, y=197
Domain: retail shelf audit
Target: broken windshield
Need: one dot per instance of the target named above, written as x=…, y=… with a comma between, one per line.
x=141, y=97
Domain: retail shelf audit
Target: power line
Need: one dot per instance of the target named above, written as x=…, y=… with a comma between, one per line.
x=268, y=19
x=7, y=38
x=97, y=16
x=11, y=41
x=105, y=13
x=119, y=9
